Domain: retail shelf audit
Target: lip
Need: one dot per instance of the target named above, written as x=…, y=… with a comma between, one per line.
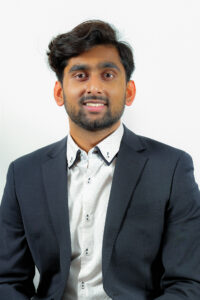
x=94, y=101
x=95, y=108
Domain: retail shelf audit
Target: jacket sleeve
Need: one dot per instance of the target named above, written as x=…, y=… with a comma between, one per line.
x=181, y=239
x=17, y=268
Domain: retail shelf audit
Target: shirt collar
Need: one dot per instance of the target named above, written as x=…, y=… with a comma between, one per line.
x=107, y=148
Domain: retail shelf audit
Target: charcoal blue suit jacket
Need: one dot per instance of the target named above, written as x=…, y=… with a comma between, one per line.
x=151, y=244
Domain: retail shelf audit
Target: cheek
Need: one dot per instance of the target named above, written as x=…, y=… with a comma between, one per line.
x=118, y=99
x=72, y=91
x=118, y=90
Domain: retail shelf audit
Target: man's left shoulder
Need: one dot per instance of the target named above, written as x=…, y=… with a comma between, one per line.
x=160, y=148
x=157, y=150
x=165, y=153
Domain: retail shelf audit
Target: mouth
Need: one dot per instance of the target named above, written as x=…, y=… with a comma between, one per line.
x=94, y=106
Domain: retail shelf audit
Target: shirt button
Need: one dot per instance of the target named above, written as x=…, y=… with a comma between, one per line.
x=82, y=284
x=86, y=251
x=87, y=217
x=89, y=180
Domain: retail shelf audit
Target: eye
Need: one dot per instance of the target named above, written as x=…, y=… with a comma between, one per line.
x=108, y=75
x=80, y=75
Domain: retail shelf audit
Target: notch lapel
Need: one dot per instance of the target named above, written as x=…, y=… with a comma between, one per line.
x=128, y=170
x=55, y=182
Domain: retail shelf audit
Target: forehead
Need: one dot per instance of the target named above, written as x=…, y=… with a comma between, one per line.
x=95, y=56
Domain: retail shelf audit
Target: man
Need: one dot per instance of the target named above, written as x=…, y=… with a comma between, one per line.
x=103, y=213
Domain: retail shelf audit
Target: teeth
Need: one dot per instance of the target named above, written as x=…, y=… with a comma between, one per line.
x=94, y=104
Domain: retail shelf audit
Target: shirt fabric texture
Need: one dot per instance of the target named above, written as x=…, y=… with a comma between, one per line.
x=89, y=184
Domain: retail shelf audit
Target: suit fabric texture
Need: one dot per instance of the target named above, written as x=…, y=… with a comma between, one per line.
x=151, y=242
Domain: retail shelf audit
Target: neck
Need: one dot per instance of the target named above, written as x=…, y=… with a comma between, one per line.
x=85, y=139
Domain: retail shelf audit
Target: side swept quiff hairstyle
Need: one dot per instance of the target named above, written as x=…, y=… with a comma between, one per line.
x=82, y=38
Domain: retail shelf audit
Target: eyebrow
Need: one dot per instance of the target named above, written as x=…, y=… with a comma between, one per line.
x=103, y=65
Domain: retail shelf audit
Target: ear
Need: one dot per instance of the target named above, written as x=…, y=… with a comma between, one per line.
x=58, y=93
x=130, y=92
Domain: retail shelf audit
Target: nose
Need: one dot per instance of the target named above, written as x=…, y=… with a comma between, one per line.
x=94, y=86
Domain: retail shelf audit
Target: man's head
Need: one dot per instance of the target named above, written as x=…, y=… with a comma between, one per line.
x=81, y=39
x=93, y=70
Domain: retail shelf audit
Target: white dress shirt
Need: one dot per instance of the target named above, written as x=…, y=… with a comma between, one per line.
x=89, y=184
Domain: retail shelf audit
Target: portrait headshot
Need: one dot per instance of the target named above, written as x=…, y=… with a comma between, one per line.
x=100, y=160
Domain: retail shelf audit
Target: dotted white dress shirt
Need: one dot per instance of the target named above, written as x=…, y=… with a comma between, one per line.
x=89, y=184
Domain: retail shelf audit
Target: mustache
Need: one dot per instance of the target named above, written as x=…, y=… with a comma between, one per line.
x=93, y=97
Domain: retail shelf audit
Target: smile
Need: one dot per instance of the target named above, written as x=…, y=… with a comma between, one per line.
x=94, y=107
x=94, y=104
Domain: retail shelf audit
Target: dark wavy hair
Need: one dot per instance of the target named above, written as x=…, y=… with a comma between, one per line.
x=82, y=38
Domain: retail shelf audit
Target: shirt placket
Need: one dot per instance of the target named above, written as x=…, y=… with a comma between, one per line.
x=90, y=166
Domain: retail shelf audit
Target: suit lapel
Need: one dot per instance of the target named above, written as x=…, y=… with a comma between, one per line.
x=55, y=182
x=129, y=166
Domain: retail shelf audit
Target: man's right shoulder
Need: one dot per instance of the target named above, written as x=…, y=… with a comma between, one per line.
x=42, y=154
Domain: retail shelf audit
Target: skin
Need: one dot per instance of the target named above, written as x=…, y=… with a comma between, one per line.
x=93, y=77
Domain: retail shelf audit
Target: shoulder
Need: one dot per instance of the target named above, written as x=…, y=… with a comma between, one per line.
x=167, y=154
x=157, y=147
x=156, y=150
x=41, y=154
x=164, y=162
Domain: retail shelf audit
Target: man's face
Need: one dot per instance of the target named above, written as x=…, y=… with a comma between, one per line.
x=94, y=88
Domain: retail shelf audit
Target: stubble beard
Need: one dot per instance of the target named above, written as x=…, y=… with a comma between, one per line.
x=80, y=117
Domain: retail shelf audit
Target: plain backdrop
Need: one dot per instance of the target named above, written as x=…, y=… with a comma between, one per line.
x=165, y=37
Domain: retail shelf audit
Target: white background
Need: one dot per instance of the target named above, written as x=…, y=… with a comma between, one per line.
x=165, y=36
